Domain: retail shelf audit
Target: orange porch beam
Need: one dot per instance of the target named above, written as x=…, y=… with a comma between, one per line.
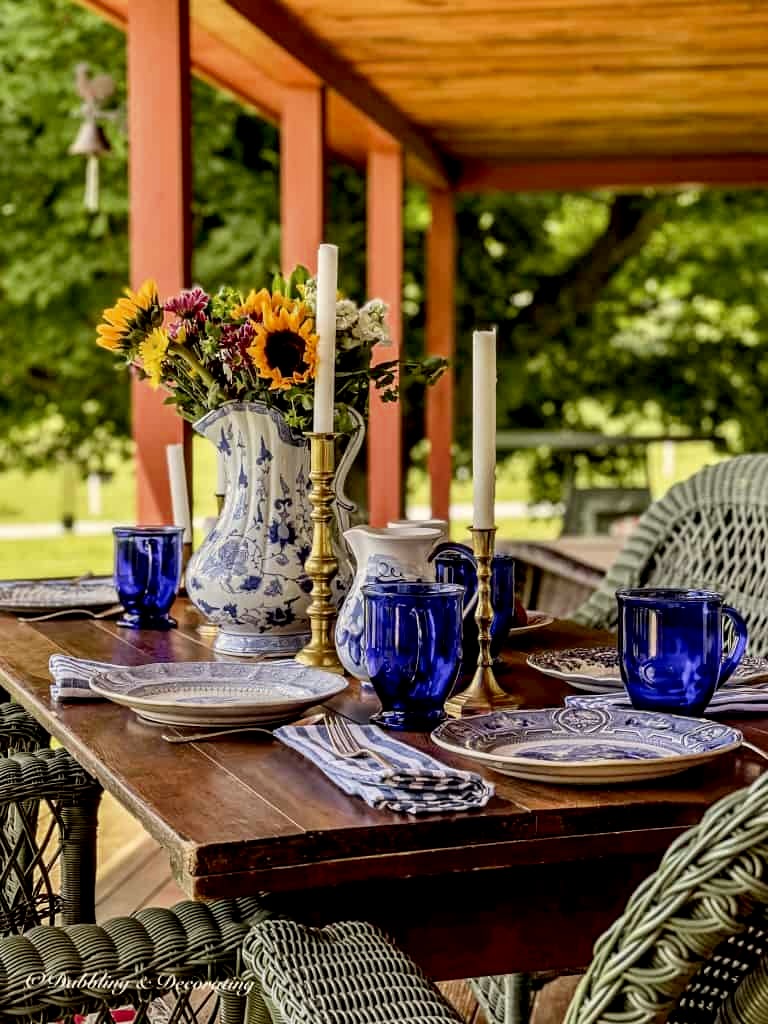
x=738, y=169
x=160, y=164
x=302, y=176
x=385, y=281
x=440, y=341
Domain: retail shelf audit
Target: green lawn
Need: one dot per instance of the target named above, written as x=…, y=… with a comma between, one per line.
x=45, y=496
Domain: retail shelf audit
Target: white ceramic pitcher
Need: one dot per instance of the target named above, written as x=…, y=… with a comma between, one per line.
x=383, y=555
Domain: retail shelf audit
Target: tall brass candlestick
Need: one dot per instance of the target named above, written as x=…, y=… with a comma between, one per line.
x=483, y=693
x=322, y=566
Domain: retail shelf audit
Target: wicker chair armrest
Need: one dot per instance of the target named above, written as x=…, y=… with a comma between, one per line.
x=19, y=731
x=53, y=973
x=711, y=884
x=44, y=774
x=348, y=971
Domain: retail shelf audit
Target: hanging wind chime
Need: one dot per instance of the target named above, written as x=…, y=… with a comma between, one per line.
x=91, y=141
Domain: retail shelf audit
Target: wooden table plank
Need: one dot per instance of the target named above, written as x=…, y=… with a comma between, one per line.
x=244, y=814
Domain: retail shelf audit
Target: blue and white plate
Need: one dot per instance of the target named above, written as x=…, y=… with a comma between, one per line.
x=593, y=746
x=596, y=669
x=215, y=693
x=32, y=597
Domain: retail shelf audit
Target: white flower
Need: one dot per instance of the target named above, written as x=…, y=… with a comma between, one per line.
x=346, y=315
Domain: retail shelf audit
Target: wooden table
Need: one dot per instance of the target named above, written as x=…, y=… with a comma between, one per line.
x=556, y=576
x=527, y=883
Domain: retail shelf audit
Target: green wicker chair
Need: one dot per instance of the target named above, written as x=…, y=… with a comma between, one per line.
x=710, y=531
x=48, y=820
x=19, y=731
x=177, y=965
x=347, y=973
x=692, y=945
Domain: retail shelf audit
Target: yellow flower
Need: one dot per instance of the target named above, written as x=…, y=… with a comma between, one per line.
x=152, y=352
x=145, y=296
x=119, y=320
x=284, y=348
x=255, y=304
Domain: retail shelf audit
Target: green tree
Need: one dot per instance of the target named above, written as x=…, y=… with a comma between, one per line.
x=621, y=308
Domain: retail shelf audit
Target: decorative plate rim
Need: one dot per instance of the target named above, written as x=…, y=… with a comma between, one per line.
x=545, y=620
x=31, y=594
x=616, y=681
x=563, y=766
x=101, y=684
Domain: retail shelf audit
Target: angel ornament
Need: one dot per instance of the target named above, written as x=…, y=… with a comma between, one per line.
x=91, y=141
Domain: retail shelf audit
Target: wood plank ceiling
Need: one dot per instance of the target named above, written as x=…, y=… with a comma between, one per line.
x=548, y=79
x=477, y=90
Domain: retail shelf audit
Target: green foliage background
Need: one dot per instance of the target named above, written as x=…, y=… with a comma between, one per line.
x=629, y=312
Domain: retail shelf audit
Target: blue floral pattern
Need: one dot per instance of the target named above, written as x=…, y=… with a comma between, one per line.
x=580, y=734
x=249, y=576
x=350, y=624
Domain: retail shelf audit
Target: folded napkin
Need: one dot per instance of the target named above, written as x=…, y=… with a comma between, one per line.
x=728, y=699
x=72, y=677
x=418, y=784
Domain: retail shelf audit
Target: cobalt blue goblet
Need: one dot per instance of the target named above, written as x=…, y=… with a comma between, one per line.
x=147, y=574
x=412, y=640
x=451, y=567
x=671, y=647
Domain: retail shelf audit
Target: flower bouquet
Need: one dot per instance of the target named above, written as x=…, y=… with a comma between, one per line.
x=260, y=347
x=242, y=368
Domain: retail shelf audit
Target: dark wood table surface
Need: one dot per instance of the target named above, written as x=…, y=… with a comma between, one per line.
x=528, y=882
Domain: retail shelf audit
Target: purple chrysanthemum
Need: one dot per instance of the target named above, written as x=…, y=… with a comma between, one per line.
x=190, y=304
x=235, y=340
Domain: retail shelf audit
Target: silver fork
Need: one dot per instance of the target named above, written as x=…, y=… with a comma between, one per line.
x=63, y=613
x=346, y=746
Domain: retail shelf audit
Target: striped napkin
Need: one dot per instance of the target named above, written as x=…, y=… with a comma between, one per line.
x=418, y=784
x=72, y=677
x=727, y=700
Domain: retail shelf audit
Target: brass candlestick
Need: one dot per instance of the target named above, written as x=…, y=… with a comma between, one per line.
x=322, y=566
x=483, y=693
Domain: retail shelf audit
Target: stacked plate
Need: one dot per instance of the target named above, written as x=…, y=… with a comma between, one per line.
x=596, y=669
x=536, y=620
x=581, y=746
x=33, y=597
x=218, y=694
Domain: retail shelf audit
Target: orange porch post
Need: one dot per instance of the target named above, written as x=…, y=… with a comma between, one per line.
x=160, y=229
x=302, y=176
x=440, y=341
x=386, y=486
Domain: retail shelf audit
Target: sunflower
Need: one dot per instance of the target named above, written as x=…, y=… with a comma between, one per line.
x=120, y=319
x=255, y=304
x=284, y=348
x=152, y=352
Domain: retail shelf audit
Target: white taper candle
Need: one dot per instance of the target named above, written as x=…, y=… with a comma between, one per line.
x=177, y=478
x=484, y=428
x=325, y=325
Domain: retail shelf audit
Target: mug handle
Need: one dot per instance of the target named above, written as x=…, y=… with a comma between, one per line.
x=419, y=618
x=465, y=552
x=731, y=661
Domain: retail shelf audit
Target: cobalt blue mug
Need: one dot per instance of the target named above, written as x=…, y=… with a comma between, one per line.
x=671, y=647
x=456, y=567
x=148, y=561
x=412, y=639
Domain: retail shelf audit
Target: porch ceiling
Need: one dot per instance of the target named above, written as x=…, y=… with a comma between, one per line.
x=549, y=79
x=478, y=89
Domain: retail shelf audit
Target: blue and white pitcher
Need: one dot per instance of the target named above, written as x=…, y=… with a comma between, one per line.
x=383, y=555
x=248, y=575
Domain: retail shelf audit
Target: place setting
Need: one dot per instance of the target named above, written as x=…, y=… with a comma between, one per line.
x=421, y=622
